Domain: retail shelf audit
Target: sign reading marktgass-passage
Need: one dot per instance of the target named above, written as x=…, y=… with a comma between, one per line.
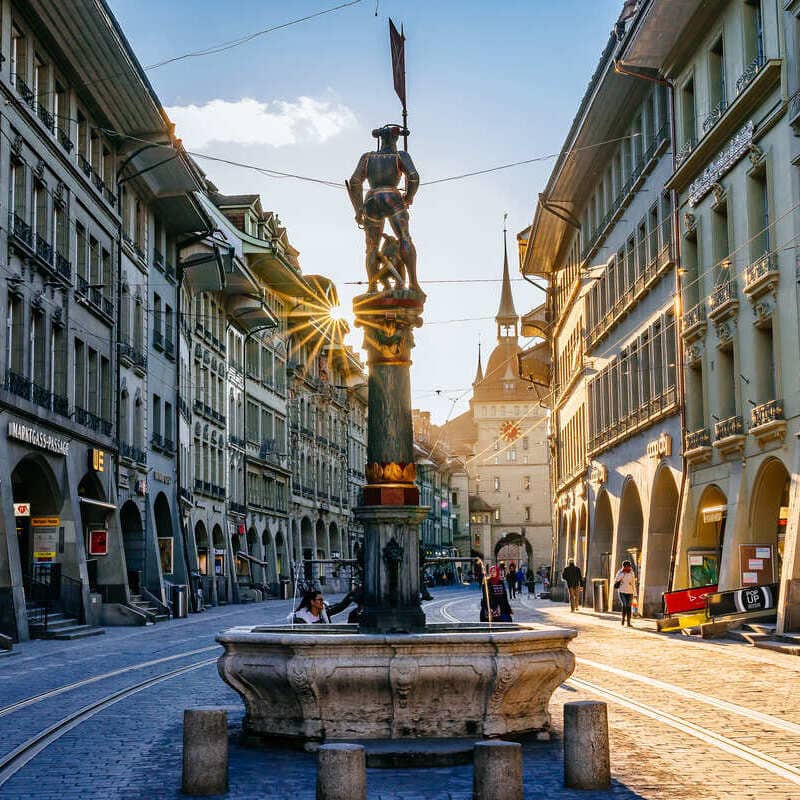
x=743, y=601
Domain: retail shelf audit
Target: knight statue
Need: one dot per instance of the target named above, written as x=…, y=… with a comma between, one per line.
x=388, y=258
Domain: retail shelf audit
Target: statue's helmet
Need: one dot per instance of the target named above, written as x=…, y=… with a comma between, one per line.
x=390, y=131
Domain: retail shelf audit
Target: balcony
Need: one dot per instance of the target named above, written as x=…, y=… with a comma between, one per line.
x=169, y=445
x=158, y=340
x=131, y=453
x=723, y=302
x=85, y=165
x=169, y=271
x=768, y=423
x=63, y=267
x=24, y=91
x=17, y=384
x=20, y=230
x=694, y=322
x=41, y=396
x=697, y=447
x=44, y=250
x=237, y=508
x=61, y=405
x=156, y=442
x=729, y=437
x=48, y=120
x=761, y=276
x=715, y=115
x=64, y=140
x=132, y=357
x=753, y=68
x=111, y=198
x=236, y=441
x=169, y=349
x=685, y=151
x=92, y=421
x=158, y=259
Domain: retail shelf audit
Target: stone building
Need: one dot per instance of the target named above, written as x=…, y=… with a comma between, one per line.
x=602, y=237
x=87, y=212
x=734, y=72
x=501, y=443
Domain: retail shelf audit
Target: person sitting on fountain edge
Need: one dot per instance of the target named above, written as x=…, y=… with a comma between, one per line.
x=312, y=608
x=498, y=599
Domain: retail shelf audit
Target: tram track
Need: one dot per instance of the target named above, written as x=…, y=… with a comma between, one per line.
x=11, y=763
x=705, y=734
x=39, y=698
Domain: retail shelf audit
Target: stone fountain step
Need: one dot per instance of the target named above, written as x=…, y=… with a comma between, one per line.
x=404, y=753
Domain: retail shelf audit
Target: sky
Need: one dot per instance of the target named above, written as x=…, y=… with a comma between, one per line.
x=488, y=83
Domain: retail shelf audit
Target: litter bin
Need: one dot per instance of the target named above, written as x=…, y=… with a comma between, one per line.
x=600, y=594
x=180, y=601
x=283, y=589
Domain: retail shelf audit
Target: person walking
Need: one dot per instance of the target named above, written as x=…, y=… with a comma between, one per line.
x=511, y=580
x=498, y=599
x=625, y=583
x=574, y=579
x=520, y=580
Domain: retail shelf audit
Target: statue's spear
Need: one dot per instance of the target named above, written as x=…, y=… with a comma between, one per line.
x=397, y=41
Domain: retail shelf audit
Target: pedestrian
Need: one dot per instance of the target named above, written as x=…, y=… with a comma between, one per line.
x=478, y=572
x=511, y=580
x=625, y=583
x=312, y=608
x=520, y=580
x=531, y=578
x=498, y=599
x=573, y=577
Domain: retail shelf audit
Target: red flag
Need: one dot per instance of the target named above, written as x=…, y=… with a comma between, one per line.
x=398, y=45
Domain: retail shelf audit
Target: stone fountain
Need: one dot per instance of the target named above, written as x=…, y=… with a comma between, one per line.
x=393, y=676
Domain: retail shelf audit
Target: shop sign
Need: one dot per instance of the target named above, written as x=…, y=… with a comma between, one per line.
x=683, y=600
x=162, y=478
x=743, y=601
x=22, y=509
x=98, y=543
x=97, y=459
x=45, y=538
x=661, y=447
x=38, y=438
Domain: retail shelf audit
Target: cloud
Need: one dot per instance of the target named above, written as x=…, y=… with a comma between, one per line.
x=249, y=121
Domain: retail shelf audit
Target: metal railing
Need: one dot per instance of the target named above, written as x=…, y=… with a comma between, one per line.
x=752, y=69
x=732, y=426
x=132, y=453
x=47, y=118
x=765, y=413
x=24, y=91
x=715, y=115
x=694, y=316
x=64, y=140
x=723, y=294
x=20, y=229
x=759, y=269
x=17, y=384
x=685, y=151
x=700, y=438
x=44, y=250
x=63, y=266
x=131, y=354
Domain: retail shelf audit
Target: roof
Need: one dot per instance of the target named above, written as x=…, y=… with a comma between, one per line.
x=479, y=371
x=460, y=433
x=477, y=503
x=225, y=200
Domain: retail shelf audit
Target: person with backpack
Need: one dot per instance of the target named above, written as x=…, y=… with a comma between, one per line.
x=574, y=579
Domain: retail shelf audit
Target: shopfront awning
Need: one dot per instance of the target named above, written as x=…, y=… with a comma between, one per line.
x=203, y=270
x=98, y=503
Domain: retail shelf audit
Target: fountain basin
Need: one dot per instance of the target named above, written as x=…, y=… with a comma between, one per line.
x=450, y=681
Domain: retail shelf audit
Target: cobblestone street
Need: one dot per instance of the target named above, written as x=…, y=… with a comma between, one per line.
x=680, y=712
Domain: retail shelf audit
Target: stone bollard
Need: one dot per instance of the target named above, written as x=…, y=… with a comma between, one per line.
x=205, y=751
x=498, y=771
x=587, y=763
x=341, y=772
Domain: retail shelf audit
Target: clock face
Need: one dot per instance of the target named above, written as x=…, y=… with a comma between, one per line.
x=509, y=431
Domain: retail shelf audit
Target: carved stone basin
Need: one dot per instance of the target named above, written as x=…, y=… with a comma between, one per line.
x=451, y=681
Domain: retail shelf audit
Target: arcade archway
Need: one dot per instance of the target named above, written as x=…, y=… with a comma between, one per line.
x=165, y=534
x=629, y=528
x=769, y=512
x=660, y=535
x=133, y=543
x=600, y=539
x=513, y=547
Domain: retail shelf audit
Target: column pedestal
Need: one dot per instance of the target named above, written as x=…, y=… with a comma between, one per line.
x=391, y=568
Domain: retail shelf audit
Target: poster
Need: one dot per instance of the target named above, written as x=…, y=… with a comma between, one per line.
x=695, y=561
x=45, y=544
x=98, y=543
x=749, y=577
x=763, y=552
x=165, y=552
x=755, y=564
x=703, y=569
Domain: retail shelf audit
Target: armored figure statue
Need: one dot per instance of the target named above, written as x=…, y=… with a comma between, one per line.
x=383, y=169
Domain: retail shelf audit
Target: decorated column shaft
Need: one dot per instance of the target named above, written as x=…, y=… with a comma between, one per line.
x=390, y=508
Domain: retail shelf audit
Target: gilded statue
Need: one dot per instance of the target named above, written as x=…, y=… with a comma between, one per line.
x=388, y=258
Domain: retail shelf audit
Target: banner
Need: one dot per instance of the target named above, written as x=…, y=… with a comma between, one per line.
x=398, y=45
x=743, y=601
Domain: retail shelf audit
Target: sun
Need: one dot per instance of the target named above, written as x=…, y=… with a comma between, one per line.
x=336, y=313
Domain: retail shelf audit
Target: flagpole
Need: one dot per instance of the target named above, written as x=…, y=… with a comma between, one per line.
x=405, y=112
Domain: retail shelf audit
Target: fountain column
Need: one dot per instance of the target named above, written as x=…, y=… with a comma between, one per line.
x=390, y=511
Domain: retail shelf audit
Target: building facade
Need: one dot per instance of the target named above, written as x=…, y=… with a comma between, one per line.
x=734, y=73
x=501, y=444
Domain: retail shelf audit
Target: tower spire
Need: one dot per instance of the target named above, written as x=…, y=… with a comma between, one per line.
x=507, y=319
x=479, y=371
